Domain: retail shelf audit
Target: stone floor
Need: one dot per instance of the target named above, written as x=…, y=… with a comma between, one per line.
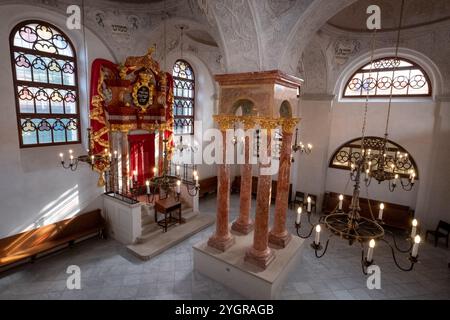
x=109, y=272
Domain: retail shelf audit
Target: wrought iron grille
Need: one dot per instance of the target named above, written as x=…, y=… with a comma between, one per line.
x=45, y=81
x=405, y=77
x=350, y=152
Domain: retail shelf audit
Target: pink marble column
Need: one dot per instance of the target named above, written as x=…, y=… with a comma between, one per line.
x=244, y=223
x=279, y=236
x=260, y=254
x=222, y=239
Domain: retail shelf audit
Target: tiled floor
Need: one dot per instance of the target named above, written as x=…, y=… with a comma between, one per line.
x=109, y=272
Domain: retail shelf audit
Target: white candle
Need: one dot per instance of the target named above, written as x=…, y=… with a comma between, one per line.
x=196, y=179
x=299, y=215
x=177, y=170
x=308, y=208
x=92, y=159
x=178, y=186
x=415, y=248
x=195, y=173
x=370, y=251
x=341, y=198
x=71, y=159
x=414, y=228
x=62, y=157
x=115, y=154
x=317, y=240
x=395, y=179
x=380, y=213
x=413, y=177
x=147, y=184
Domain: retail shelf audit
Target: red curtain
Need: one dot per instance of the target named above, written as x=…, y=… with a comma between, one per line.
x=142, y=156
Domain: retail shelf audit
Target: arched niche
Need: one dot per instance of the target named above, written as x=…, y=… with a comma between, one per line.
x=285, y=109
x=244, y=107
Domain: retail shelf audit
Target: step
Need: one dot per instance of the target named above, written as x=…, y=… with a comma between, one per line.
x=165, y=240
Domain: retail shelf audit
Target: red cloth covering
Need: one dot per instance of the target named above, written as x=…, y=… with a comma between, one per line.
x=99, y=129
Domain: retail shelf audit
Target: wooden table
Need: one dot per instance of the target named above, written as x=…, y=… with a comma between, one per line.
x=166, y=207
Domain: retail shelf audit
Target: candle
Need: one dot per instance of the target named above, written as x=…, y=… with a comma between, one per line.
x=413, y=176
x=309, y=204
x=341, y=198
x=380, y=213
x=135, y=174
x=147, y=184
x=317, y=239
x=370, y=251
x=299, y=215
x=110, y=155
x=414, y=228
x=195, y=173
x=71, y=159
x=415, y=248
x=131, y=183
x=92, y=159
x=178, y=186
x=196, y=179
x=62, y=157
x=177, y=170
x=395, y=179
x=115, y=154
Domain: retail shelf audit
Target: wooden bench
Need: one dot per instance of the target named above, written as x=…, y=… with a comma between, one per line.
x=394, y=215
x=30, y=245
x=208, y=186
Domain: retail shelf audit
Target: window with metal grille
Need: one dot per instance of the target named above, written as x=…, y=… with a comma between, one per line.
x=184, y=97
x=401, y=76
x=45, y=84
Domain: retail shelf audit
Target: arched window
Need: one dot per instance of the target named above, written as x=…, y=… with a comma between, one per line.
x=184, y=97
x=45, y=83
x=350, y=152
x=407, y=78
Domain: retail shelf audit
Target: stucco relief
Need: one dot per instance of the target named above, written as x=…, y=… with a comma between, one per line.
x=238, y=30
x=345, y=48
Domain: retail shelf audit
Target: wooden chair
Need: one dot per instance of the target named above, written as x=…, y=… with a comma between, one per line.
x=442, y=231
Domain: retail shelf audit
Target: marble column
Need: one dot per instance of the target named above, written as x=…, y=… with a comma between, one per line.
x=244, y=223
x=260, y=254
x=279, y=236
x=222, y=238
x=124, y=158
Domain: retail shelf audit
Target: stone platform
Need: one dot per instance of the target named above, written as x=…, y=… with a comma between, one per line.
x=161, y=241
x=230, y=269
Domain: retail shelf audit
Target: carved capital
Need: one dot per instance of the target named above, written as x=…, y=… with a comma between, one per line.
x=225, y=121
x=248, y=122
x=268, y=123
x=288, y=125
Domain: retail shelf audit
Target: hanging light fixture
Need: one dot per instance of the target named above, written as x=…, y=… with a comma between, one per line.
x=351, y=226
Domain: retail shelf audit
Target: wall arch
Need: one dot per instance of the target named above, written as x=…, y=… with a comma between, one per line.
x=419, y=58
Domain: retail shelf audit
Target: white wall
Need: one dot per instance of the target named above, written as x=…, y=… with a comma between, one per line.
x=34, y=189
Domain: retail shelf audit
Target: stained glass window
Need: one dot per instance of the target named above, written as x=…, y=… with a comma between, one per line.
x=184, y=97
x=403, y=77
x=45, y=82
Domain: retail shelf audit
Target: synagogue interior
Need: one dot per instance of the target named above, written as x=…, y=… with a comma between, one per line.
x=225, y=150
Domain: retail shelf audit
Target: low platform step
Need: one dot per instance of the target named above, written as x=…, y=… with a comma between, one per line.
x=154, y=245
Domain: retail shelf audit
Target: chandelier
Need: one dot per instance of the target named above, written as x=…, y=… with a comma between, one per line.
x=353, y=227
